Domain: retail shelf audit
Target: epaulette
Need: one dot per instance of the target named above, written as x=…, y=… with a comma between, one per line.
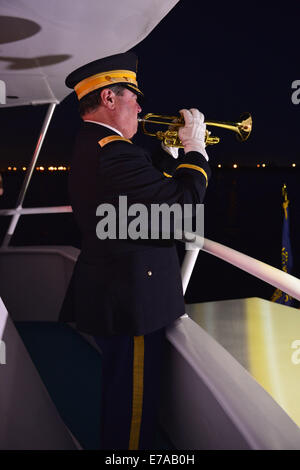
x=112, y=138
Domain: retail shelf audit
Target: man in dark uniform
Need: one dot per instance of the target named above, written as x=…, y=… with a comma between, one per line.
x=124, y=292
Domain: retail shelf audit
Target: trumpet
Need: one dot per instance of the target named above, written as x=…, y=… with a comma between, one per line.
x=170, y=137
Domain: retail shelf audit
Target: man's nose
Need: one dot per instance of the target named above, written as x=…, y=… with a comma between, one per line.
x=139, y=108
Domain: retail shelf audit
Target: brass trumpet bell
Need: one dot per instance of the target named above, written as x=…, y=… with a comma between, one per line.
x=170, y=137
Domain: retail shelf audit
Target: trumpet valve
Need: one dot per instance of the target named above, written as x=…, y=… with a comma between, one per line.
x=211, y=140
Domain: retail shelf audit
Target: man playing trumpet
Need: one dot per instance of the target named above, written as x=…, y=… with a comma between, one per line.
x=125, y=292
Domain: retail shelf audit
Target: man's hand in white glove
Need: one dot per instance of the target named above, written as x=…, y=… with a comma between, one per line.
x=192, y=135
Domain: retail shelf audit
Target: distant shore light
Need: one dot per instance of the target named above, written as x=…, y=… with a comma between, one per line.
x=235, y=165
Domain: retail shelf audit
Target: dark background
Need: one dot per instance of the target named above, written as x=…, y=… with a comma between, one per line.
x=223, y=60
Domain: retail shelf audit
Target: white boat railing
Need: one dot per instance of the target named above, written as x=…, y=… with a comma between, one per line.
x=36, y=210
x=18, y=210
x=274, y=276
x=277, y=278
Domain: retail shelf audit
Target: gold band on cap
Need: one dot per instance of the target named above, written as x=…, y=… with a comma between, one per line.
x=103, y=79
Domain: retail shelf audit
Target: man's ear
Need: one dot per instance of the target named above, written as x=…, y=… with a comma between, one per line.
x=108, y=98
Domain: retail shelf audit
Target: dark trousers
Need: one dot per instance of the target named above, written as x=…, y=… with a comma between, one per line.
x=131, y=380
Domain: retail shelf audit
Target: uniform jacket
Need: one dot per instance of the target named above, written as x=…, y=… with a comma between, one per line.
x=123, y=286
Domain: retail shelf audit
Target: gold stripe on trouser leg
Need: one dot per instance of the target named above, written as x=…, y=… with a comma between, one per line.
x=137, y=393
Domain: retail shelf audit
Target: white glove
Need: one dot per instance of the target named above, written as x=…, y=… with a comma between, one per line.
x=173, y=151
x=192, y=135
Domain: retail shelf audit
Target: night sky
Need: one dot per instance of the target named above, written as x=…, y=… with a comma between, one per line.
x=222, y=61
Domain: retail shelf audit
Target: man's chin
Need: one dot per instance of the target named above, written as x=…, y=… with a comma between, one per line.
x=131, y=134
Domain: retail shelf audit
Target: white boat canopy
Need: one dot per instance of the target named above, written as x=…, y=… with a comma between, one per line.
x=41, y=41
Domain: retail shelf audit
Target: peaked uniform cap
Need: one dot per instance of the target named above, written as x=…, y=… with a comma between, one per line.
x=118, y=69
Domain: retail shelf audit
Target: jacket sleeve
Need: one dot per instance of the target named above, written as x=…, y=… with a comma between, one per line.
x=164, y=162
x=129, y=172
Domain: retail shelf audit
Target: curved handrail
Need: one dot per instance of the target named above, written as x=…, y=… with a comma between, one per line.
x=36, y=210
x=277, y=278
x=274, y=276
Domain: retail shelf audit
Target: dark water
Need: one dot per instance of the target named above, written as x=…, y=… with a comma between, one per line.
x=242, y=210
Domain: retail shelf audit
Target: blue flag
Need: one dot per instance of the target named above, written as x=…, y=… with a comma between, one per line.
x=286, y=251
